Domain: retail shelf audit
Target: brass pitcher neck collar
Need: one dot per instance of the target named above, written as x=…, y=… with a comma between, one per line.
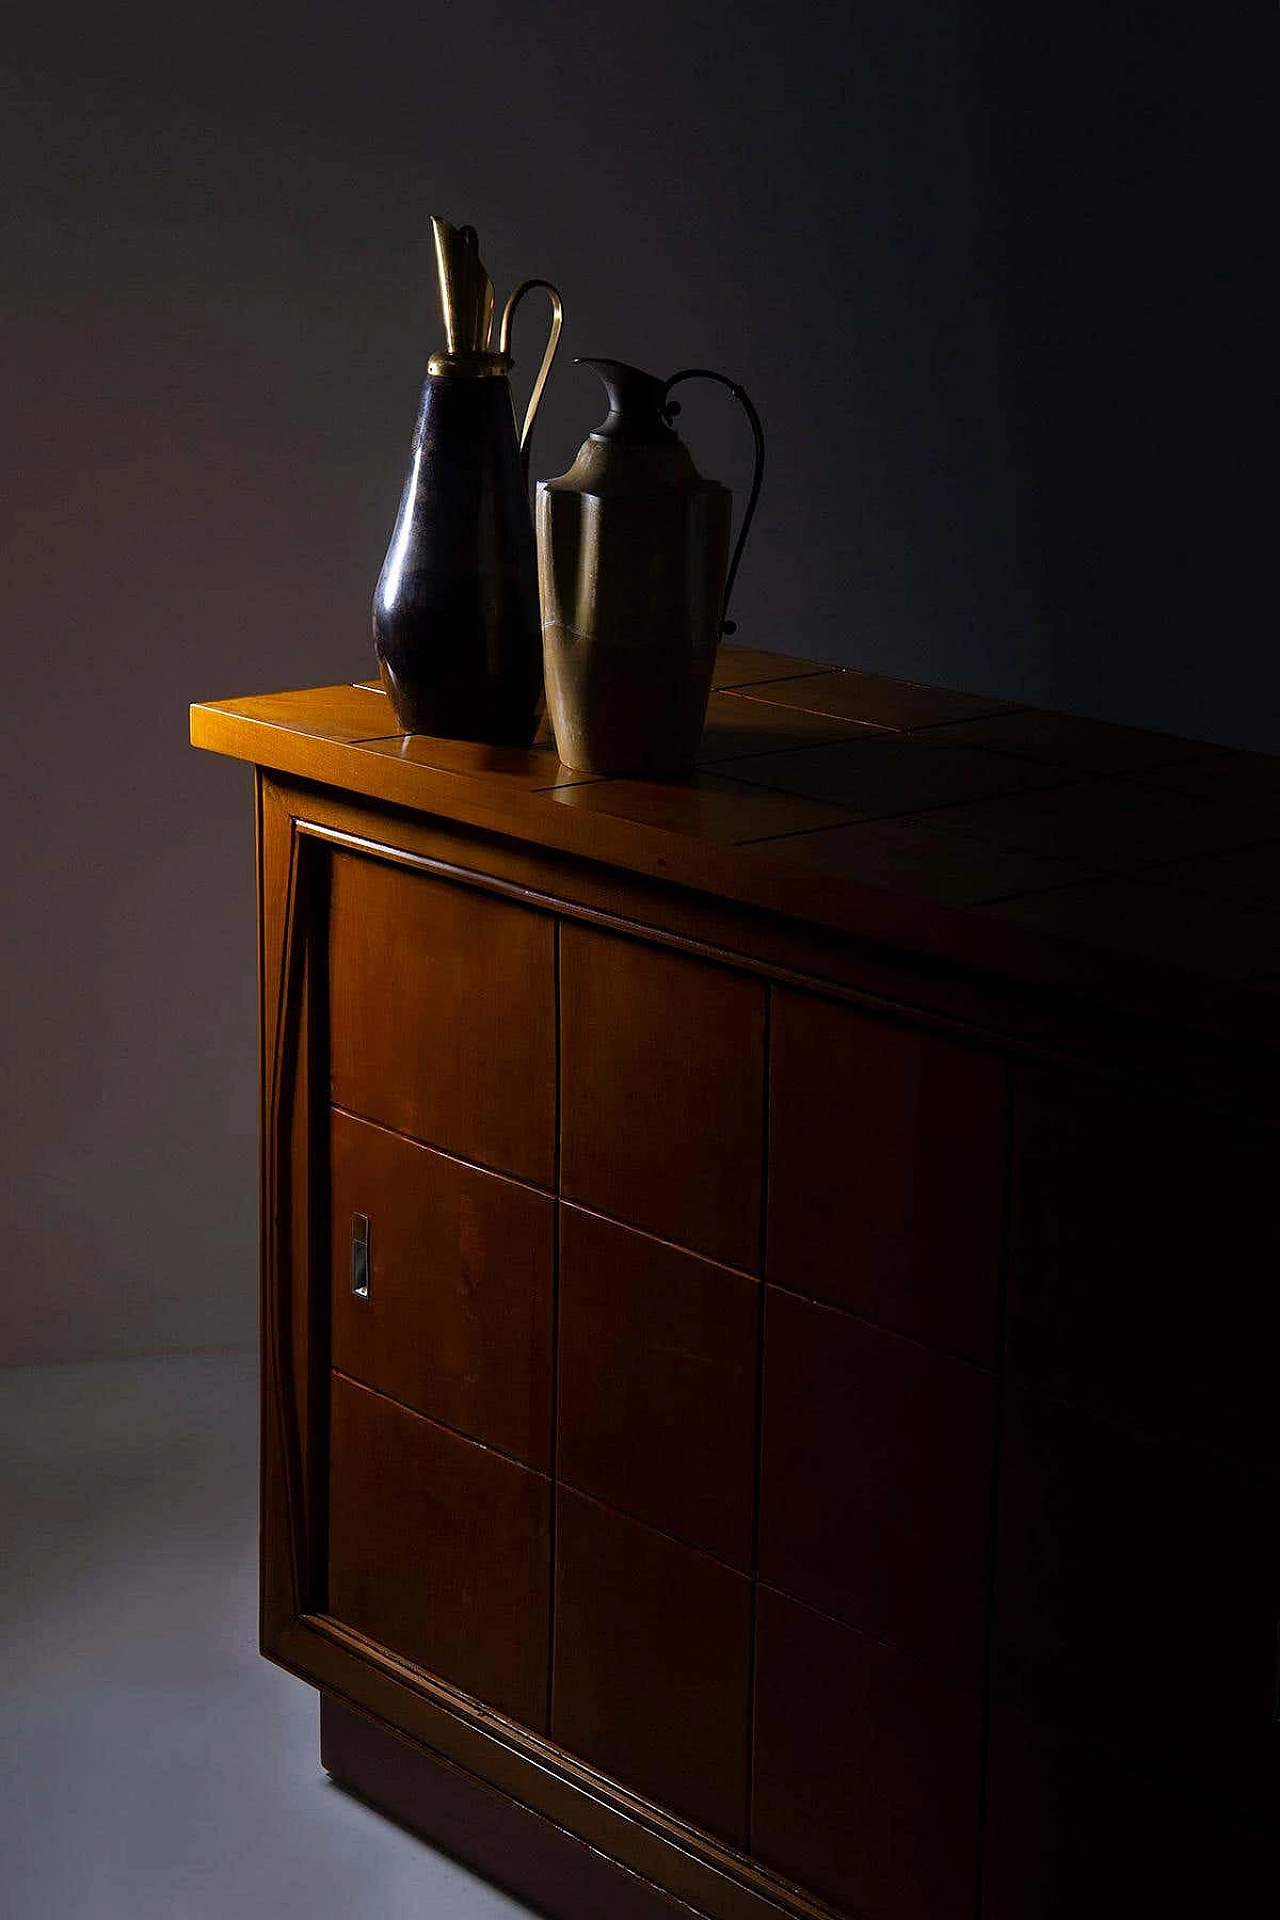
x=471, y=366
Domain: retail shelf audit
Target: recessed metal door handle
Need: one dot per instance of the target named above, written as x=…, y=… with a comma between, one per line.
x=360, y=1255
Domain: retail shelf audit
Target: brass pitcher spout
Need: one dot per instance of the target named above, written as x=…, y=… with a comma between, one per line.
x=467, y=303
x=466, y=291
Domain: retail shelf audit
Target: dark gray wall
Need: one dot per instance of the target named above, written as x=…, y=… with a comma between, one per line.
x=975, y=266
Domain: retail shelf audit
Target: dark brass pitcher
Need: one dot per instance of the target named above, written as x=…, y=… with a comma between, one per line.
x=635, y=573
x=455, y=615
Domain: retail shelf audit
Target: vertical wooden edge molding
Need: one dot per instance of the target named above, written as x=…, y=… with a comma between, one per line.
x=757, y=1465
x=1012, y=1094
x=283, y=877
x=277, y=1598
x=311, y=1175
x=553, y=1546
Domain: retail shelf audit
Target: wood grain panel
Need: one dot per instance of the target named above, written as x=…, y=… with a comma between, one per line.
x=443, y=1015
x=741, y=666
x=736, y=727
x=1070, y=1834
x=1137, y=1578
x=1137, y=1595
x=906, y=856
x=1250, y=877
x=516, y=1849
x=981, y=954
x=889, y=773
x=1116, y=825
x=658, y=1384
x=1155, y=923
x=663, y=1092
x=507, y=770
x=344, y=713
x=866, y=1771
x=887, y=1150
x=876, y=698
x=1144, y=1245
x=457, y=1323
x=651, y=1664
x=440, y=1549
x=708, y=806
x=1229, y=773
x=1075, y=741
x=875, y=1482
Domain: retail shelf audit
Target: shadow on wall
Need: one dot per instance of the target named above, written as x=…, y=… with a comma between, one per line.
x=963, y=258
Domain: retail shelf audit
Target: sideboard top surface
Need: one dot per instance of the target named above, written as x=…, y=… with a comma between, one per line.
x=1046, y=847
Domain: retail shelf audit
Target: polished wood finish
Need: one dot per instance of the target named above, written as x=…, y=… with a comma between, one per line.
x=1252, y=778
x=893, y=773
x=663, y=1093
x=867, y=1769
x=1120, y=826
x=863, y=1125
x=444, y=1015
x=651, y=1664
x=1154, y=921
x=735, y=729
x=909, y=856
x=457, y=1322
x=709, y=805
x=875, y=1480
x=873, y=697
x=440, y=1550
x=527, y=1855
x=746, y=666
x=959, y=1202
x=1164, y=803
x=505, y=770
x=1247, y=876
x=658, y=1384
x=342, y=714
x=1074, y=741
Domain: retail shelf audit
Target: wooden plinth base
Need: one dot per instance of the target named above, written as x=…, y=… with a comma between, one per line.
x=519, y=1851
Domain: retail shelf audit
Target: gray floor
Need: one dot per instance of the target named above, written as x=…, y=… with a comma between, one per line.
x=151, y=1763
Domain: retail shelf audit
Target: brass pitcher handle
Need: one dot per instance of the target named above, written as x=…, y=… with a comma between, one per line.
x=669, y=409
x=553, y=342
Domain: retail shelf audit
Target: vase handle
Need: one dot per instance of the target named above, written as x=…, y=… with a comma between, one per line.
x=669, y=409
x=553, y=343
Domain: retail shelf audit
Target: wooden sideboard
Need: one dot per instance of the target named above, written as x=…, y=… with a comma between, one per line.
x=771, y=1301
